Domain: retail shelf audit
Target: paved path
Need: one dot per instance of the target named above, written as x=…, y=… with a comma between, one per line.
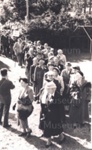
x=9, y=140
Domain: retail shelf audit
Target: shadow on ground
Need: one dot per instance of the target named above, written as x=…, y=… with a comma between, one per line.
x=3, y=65
x=69, y=143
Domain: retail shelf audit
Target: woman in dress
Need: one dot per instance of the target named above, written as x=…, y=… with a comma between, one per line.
x=51, y=117
x=52, y=122
x=25, y=92
x=80, y=96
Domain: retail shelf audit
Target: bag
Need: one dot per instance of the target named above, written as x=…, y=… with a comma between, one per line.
x=24, y=107
x=24, y=111
x=24, y=101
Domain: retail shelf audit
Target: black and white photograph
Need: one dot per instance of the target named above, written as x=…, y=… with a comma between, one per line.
x=45, y=74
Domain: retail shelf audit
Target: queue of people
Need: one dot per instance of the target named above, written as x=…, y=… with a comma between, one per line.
x=57, y=86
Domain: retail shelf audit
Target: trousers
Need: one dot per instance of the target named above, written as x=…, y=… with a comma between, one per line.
x=4, y=111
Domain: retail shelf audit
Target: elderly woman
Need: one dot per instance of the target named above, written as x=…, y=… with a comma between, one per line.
x=80, y=96
x=24, y=106
x=52, y=116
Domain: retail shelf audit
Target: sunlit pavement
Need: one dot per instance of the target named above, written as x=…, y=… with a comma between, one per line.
x=10, y=137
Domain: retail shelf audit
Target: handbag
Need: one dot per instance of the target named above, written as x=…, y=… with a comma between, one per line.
x=24, y=107
x=24, y=111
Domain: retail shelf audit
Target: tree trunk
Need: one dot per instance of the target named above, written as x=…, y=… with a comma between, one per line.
x=27, y=11
x=85, y=4
x=90, y=7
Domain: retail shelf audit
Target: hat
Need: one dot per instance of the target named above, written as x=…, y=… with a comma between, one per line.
x=77, y=68
x=50, y=85
x=57, y=69
x=50, y=73
x=38, y=41
x=60, y=51
x=4, y=71
x=68, y=64
x=51, y=57
x=42, y=59
x=24, y=80
x=50, y=64
x=81, y=73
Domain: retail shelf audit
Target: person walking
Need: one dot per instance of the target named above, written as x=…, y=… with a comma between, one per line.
x=5, y=97
x=24, y=106
x=38, y=76
x=52, y=117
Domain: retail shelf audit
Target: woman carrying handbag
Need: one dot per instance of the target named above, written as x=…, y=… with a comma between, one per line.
x=24, y=106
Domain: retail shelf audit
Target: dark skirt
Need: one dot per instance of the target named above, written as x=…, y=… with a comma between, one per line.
x=51, y=123
x=75, y=114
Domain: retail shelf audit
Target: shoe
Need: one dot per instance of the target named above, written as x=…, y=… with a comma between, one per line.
x=7, y=126
x=61, y=141
x=29, y=133
x=48, y=145
x=23, y=134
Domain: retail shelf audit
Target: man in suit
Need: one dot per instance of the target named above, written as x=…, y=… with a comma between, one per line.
x=5, y=97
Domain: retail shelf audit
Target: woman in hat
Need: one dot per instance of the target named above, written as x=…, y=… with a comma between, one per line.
x=75, y=76
x=52, y=124
x=25, y=100
x=80, y=96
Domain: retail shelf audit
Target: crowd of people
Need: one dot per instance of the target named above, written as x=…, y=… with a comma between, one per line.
x=51, y=81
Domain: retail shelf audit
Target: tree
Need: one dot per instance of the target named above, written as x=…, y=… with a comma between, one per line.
x=27, y=11
x=85, y=5
x=90, y=4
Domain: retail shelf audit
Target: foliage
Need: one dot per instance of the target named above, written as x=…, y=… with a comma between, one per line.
x=47, y=14
x=8, y=11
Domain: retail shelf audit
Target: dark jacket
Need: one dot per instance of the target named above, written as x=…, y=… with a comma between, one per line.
x=5, y=87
